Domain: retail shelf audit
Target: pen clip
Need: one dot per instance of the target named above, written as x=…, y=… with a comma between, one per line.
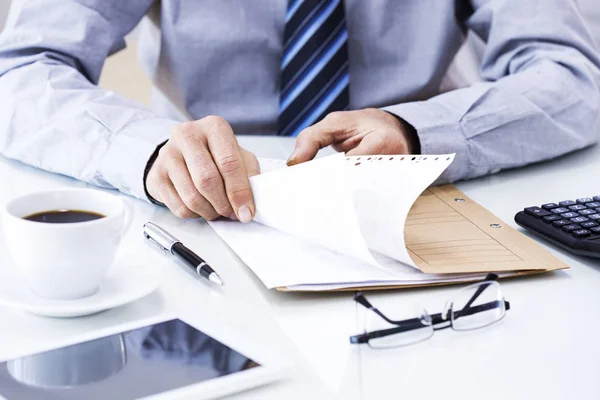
x=160, y=246
x=159, y=237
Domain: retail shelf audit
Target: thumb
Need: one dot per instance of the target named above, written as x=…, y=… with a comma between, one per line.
x=316, y=137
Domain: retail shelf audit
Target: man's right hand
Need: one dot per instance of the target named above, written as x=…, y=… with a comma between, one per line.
x=203, y=172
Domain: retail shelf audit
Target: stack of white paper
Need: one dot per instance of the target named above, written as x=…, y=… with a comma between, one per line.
x=335, y=222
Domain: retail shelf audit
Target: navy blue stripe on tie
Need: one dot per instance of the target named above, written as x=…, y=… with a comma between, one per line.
x=294, y=46
x=294, y=5
x=297, y=100
x=309, y=74
x=299, y=66
x=302, y=16
x=314, y=65
x=333, y=94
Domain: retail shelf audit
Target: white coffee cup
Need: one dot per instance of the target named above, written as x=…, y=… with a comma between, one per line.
x=65, y=260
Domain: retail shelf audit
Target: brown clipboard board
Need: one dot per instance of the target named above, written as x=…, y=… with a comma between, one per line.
x=447, y=232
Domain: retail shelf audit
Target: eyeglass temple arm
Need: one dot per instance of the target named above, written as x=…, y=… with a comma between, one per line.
x=362, y=300
x=407, y=325
x=480, y=289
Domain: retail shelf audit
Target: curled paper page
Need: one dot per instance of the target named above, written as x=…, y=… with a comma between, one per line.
x=332, y=219
x=384, y=188
x=313, y=201
x=356, y=206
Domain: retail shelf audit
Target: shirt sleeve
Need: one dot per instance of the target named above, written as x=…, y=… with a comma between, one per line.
x=540, y=98
x=52, y=114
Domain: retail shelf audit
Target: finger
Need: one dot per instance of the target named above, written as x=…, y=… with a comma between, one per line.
x=168, y=196
x=227, y=156
x=252, y=164
x=189, y=195
x=369, y=145
x=347, y=145
x=206, y=177
x=330, y=130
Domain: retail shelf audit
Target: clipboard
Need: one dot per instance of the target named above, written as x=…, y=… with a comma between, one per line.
x=447, y=232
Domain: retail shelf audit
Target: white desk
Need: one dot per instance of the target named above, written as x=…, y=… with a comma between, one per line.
x=547, y=346
x=544, y=348
x=318, y=325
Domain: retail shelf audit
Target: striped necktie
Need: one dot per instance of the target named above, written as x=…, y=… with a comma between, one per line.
x=314, y=67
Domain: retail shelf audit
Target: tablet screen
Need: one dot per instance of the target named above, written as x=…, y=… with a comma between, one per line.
x=132, y=364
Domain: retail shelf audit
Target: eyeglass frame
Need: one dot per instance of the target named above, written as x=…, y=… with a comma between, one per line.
x=436, y=319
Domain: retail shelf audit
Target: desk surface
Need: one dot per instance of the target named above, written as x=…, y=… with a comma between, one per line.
x=544, y=348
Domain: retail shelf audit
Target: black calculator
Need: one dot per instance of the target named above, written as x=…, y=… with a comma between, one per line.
x=571, y=224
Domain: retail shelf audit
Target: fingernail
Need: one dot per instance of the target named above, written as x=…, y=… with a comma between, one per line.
x=233, y=217
x=292, y=159
x=244, y=214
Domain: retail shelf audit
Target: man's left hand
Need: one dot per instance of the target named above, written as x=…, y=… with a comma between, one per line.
x=362, y=132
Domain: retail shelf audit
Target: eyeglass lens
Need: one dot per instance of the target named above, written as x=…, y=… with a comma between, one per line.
x=473, y=313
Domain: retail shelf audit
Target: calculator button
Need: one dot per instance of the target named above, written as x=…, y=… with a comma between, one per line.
x=596, y=198
x=560, y=210
x=588, y=224
x=584, y=200
x=577, y=207
x=571, y=227
x=594, y=216
x=566, y=203
x=560, y=223
x=550, y=206
x=579, y=233
x=595, y=229
x=593, y=204
x=551, y=218
x=578, y=220
x=569, y=215
x=587, y=212
x=537, y=212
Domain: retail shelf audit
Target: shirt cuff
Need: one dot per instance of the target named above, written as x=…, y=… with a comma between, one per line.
x=439, y=132
x=129, y=152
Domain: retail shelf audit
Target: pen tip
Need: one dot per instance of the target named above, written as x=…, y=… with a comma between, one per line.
x=214, y=278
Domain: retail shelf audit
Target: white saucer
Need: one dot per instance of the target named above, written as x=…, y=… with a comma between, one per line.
x=127, y=281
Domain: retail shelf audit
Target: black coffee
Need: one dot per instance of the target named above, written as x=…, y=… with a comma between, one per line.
x=63, y=216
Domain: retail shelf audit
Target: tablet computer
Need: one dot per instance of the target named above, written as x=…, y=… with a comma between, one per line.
x=169, y=357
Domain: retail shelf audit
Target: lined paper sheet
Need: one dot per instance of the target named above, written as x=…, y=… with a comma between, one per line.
x=444, y=235
x=441, y=236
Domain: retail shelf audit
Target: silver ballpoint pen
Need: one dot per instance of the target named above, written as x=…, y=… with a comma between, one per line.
x=171, y=245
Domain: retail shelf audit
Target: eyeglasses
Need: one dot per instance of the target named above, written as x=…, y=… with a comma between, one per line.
x=476, y=306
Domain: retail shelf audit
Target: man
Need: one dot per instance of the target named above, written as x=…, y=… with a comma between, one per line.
x=360, y=75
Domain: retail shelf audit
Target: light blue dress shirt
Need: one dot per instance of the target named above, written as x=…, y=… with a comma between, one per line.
x=540, y=99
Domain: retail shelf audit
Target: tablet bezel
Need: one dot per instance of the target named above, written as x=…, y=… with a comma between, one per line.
x=270, y=369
